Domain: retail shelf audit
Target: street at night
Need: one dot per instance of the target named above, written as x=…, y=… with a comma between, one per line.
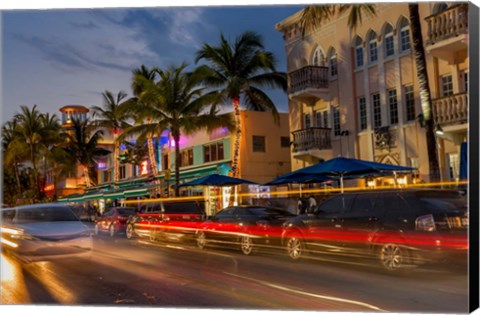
x=138, y=273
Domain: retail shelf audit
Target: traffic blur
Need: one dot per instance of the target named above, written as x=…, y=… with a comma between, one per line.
x=395, y=230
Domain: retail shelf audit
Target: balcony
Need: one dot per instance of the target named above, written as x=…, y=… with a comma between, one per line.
x=311, y=141
x=309, y=84
x=451, y=110
x=448, y=34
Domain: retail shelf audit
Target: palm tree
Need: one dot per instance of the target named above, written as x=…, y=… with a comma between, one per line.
x=50, y=137
x=313, y=16
x=140, y=110
x=15, y=151
x=81, y=144
x=113, y=117
x=176, y=102
x=424, y=87
x=29, y=131
x=242, y=68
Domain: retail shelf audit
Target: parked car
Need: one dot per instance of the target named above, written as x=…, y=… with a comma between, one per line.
x=244, y=227
x=44, y=232
x=114, y=221
x=167, y=221
x=398, y=228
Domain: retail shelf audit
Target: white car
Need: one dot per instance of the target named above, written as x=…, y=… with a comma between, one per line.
x=42, y=232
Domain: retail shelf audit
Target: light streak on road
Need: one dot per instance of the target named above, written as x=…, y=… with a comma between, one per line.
x=325, y=297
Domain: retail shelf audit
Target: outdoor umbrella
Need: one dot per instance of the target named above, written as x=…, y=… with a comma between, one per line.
x=217, y=180
x=299, y=179
x=341, y=168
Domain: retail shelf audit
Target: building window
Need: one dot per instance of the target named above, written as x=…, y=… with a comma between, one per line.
x=393, y=106
x=134, y=170
x=308, y=121
x=362, y=110
x=186, y=157
x=325, y=119
x=358, y=53
x=409, y=102
x=332, y=63
x=122, y=173
x=388, y=40
x=258, y=143
x=465, y=81
x=318, y=57
x=212, y=152
x=404, y=35
x=447, y=85
x=165, y=162
x=372, y=47
x=377, y=110
x=336, y=121
x=285, y=142
x=318, y=119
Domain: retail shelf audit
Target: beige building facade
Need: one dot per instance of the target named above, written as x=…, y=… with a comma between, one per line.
x=354, y=93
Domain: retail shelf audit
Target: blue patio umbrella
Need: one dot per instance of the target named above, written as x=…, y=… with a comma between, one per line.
x=341, y=168
x=299, y=179
x=217, y=180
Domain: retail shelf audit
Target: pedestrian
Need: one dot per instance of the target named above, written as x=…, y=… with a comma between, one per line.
x=312, y=204
x=301, y=206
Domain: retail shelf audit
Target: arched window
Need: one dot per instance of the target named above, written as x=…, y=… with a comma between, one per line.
x=318, y=57
x=389, y=48
x=439, y=7
x=372, y=47
x=404, y=40
x=358, y=52
x=332, y=63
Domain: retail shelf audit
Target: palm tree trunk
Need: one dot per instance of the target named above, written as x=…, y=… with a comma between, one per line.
x=17, y=175
x=151, y=156
x=238, y=137
x=236, y=147
x=116, y=153
x=425, y=97
x=88, y=182
x=176, y=139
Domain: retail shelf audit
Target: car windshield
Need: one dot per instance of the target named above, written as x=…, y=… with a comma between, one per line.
x=46, y=214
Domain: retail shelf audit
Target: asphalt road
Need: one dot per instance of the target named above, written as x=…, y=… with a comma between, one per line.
x=124, y=272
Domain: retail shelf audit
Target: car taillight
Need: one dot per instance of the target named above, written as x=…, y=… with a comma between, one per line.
x=425, y=223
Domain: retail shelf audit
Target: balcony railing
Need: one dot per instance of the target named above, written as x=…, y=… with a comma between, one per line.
x=451, y=109
x=308, y=77
x=314, y=138
x=447, y=24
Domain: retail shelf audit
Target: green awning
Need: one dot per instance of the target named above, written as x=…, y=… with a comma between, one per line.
x=75, y=199
x=93, y=196
x=113, y=195
x=136, y=192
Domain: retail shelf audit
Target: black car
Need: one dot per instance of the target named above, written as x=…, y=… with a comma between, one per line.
x=244, y=227
x=398, y=228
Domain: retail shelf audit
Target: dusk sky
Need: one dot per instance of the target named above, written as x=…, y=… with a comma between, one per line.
x=54, y=58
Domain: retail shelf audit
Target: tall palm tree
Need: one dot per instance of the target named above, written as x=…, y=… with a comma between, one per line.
x=424, y=87
x=313, y=16
x=50, y=137
x=29, y=131
x=176, y=102
x=81, y=144
x=113, y=117
x=241, y=69
x=15, y=150
x=141, y=115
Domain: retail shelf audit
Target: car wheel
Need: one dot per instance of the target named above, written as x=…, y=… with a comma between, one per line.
x=295, y=247
x=111, y=230
x=392, y=256
x=129, y=231
x=201, y=240
x=246, y=245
